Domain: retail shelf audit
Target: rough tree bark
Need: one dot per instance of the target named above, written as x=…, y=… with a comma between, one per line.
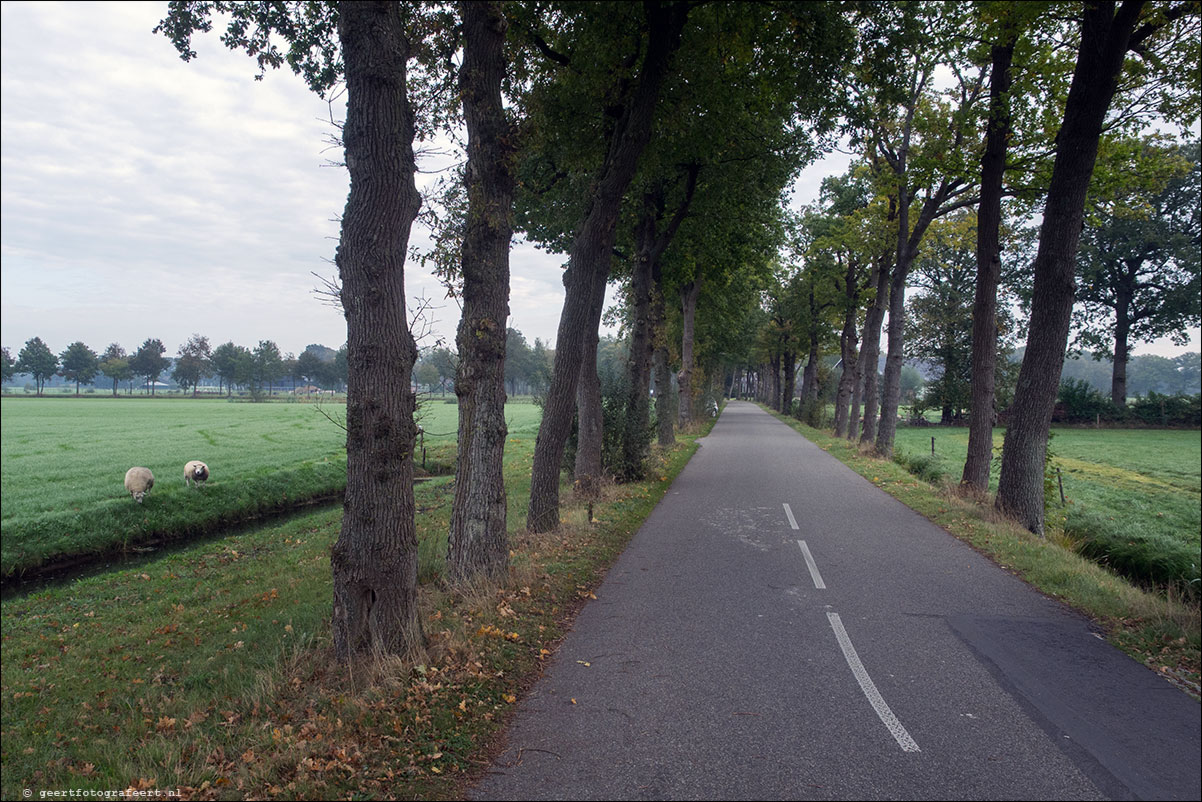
x=809, y=378
x=1122, y=337
x=664, y=419
x=789, y=382
x=847, y=349
x=651, y=245
x=907, y=252
x=589, y=261
x=1105, y=38
x=638, y=374
x=989, y=270
x=478, y=543
x=684, y=379
x=588, y=410
x=870, y=354
x=374, y=560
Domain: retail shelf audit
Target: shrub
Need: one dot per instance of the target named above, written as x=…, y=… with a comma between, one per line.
x=928, y=467
x=812, y=413
x=1078, y=401
x=1167, y=410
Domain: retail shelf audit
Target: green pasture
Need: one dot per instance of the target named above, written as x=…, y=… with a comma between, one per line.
x=64, y=462
x=208, y=672
x=1133, y=496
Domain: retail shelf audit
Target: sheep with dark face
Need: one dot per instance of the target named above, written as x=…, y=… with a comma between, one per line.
x=195, y=472
x=138, y=482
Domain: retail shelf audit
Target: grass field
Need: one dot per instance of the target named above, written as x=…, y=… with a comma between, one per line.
x=65, y=460
x=209, y=673
x=1134, y=496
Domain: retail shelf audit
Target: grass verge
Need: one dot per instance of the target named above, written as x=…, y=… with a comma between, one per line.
x=1131, y=496
x=1161, y=630
x=209, y=674
x=74, y=535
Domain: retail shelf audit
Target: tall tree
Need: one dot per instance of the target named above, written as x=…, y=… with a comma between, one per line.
x=36, y=359
x=592, y=246
x=225, y=364
x=939, y=321
x=8, y=364
x=148, y=361
x=1138, y=268
x=374, y=560
x=653, y=234
x=309, y=365
x=518, y=360
x=447, y=363
x=850, y=233
x=194, y=363
x=478, y=543
x=79, y=364
x=268, y=367
x=867, y=366
x=988, y=252
x=114, y=363
x=928, y=151
x=1108, y=32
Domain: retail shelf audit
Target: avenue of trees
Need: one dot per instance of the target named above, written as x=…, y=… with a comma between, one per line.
x=653, y=144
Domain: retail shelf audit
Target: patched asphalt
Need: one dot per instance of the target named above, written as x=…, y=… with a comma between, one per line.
x=709, y=666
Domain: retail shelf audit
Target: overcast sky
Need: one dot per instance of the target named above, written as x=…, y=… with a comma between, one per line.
x=145, y=197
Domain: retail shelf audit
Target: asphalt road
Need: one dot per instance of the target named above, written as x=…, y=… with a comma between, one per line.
x=781, y=629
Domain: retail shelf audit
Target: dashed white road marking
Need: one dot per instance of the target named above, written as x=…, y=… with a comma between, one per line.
x=813, y=566
x=792, y=520
x=866, y=684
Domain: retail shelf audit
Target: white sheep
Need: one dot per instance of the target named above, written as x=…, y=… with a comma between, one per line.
x=138, y=482
x=195, y=472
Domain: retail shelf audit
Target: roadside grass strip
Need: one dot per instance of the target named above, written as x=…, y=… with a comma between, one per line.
x=1132, y=497
x=209, y=673
x=1160, y=628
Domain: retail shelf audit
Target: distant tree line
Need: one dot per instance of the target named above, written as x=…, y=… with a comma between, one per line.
x=258, y=371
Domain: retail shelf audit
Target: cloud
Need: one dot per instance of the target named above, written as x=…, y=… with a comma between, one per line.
x=147, y=197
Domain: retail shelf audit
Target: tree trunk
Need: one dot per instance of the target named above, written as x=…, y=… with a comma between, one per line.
x=638, y=405
x=589, y=261
x=1122, y=335
x=809, y=379
x=989, y=270
x=789, y=364
x=374, y=560
x=870, y=354
x=774, y=384
x=684, y=379
x=1104, y=40
x=478, y=542
x=848, y=378
x=891, y=394
x=646, y=276
x=907, y=252
x=588, y=409
x=664, y=419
